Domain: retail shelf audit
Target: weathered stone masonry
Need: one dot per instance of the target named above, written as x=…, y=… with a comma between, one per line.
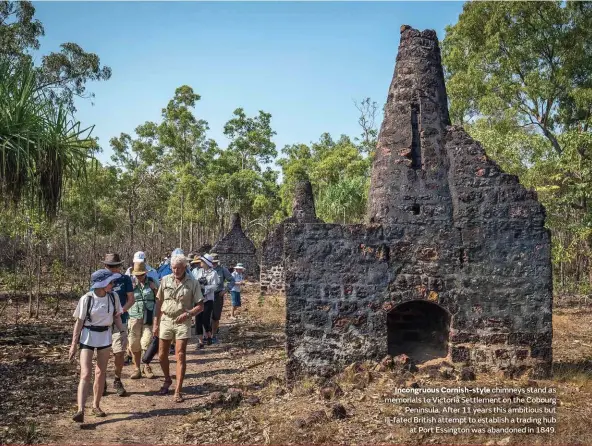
x=236, y=247
x=455, y=261
x=272, y=277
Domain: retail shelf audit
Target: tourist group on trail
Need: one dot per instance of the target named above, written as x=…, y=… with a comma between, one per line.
x=146, y=311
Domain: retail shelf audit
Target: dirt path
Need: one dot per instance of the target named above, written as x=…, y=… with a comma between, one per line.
x=247, y=353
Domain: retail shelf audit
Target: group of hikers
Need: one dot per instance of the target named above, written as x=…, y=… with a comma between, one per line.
x=142, y=312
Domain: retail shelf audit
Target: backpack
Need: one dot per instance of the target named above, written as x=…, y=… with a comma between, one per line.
x=89, y=303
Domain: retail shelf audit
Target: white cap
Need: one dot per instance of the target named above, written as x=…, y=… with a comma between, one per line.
x=140, y=256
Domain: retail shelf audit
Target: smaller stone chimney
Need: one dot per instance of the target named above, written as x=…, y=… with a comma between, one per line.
x=235, y=247
x=303, y=207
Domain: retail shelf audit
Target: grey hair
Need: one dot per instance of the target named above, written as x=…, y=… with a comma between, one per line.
x=178, y=259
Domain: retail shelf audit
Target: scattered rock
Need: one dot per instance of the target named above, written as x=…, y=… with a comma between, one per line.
x=280, y=391
x=330, y=390
x=401, y=360
x=446, y=372
x=300, y=423
x=233, y=396
x=338, y=412
x=504, y=441
x=252, y=400
x=467, y=374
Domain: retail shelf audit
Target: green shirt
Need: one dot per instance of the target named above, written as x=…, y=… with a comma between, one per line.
x=145, y=297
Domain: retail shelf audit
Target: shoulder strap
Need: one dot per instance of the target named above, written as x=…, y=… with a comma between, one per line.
x=89, y=303
x=112, y=299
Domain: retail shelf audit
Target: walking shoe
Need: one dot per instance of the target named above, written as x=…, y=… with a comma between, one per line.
x=214, y=340
x=136, y=375
x=148, y=371
x=97, y=412
x=119, y=387
x=79, y=416
x=209, y=341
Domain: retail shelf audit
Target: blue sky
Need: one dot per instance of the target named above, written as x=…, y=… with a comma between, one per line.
x=302, y=62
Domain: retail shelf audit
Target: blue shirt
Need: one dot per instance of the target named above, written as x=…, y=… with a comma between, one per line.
x=122, y=286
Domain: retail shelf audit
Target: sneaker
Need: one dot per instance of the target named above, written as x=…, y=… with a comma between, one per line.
x=148, y=371
x=136, y=375
x=214, y=340
x=79, y=416
x=209, y=341
x=119, y=387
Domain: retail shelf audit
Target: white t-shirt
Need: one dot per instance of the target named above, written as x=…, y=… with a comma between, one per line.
x=101, y=314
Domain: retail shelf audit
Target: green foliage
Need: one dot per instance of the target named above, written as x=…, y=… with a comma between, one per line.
x=519, y=76
x=40, y=143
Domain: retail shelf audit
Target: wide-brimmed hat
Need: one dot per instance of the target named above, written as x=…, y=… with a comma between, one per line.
x=139, y=269
x=215, y=258
x=207, y=259
x=239, y=266
x=139, y=256
x=102, y=277
x=112, y=259
x=196, y=259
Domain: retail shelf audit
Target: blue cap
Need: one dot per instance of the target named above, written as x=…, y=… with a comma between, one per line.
x=102, y=277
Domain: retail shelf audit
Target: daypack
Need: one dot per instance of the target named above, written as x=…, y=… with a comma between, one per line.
x=90, y=302
x=164, y=270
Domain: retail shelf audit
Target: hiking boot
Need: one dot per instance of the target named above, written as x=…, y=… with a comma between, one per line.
x=119, y=389
x=148, y=371
x=136, y=375
x=79, y=416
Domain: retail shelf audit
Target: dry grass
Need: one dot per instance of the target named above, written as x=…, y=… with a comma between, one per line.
x=302, y=415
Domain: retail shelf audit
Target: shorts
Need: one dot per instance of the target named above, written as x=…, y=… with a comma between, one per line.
x=235, y=297
x=218, y=304
x=88, y=347
x=116, y=341
x=169, y=330
x=140, y=335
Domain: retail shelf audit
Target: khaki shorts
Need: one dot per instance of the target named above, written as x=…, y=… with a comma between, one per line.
x=169, y=330
x=116, y=345
x=140, y=335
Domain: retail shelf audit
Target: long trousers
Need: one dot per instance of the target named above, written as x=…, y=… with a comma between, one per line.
x=203, y=321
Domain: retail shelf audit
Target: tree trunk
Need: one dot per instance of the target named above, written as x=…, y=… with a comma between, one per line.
x=30, y=263
x=67, y=243
x=191, y=236
x=181, y=225
x=38, y=283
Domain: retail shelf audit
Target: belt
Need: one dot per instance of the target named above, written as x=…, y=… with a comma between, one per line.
x=97, y=327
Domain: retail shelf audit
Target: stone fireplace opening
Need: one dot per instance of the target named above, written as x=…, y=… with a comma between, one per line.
x=418, y=329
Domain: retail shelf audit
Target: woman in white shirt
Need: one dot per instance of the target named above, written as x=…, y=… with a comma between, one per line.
x=236, y=289
x=95, y=314
x=209, y=281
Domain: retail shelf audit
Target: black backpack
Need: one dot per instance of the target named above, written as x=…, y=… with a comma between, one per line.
x=90, y=303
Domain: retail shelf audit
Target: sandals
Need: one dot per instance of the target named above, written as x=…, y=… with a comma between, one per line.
x=179, y=398
x=97, y=412
x=164, y=390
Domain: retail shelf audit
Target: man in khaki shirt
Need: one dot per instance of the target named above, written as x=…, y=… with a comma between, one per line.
x=175, y=300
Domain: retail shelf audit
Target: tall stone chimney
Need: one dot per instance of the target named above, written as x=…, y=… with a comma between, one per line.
x=409, y=170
